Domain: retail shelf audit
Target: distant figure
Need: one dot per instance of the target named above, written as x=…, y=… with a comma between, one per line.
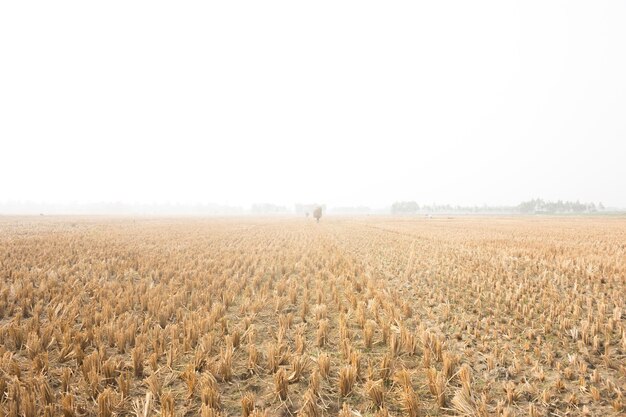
x=317, y=213
x=306, y=214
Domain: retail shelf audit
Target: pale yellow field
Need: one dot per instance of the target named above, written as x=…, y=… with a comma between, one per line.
x=364, y=316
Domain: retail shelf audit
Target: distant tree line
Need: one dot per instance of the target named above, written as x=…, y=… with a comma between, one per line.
x=411, y=207
x=119, y=208
x=267, y=208
x=538, y=205
x=532, y=206
x=400, y=207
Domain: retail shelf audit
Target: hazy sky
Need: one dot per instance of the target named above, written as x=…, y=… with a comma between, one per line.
x=236, y=102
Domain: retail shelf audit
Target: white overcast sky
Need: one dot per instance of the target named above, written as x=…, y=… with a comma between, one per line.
x=236, y=102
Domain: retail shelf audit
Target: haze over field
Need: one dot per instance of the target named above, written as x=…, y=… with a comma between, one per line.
x=343, y=103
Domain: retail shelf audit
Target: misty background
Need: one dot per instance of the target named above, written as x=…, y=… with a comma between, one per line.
x=127, y=106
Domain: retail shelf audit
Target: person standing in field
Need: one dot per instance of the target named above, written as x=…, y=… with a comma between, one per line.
x=317, y=213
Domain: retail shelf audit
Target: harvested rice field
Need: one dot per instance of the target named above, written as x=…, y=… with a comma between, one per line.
x=369, y=316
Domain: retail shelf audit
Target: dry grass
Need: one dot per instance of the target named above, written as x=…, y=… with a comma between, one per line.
x=254, y=317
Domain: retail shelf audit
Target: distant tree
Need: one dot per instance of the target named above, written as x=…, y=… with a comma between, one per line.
x=317, y=213
x=527, y=206
x=405, y=207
